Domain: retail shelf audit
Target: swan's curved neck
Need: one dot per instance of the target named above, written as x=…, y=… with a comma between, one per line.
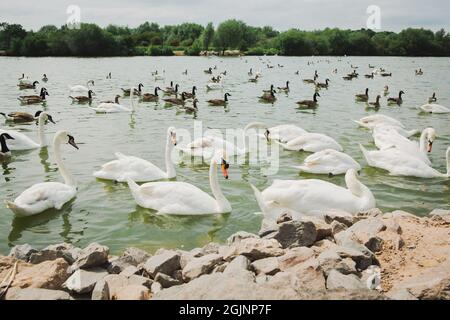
x=357, y=188
x=41, y=134
x=222, y=203
x=422, y=142
x=67, y=176
x=170, y=168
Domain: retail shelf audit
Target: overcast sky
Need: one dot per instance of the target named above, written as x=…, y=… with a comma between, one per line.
x=281, y=14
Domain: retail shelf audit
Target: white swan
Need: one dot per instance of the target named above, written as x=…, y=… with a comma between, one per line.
x=284, y=132
x=328, y=161
x=23, y=142
x=182, y=198
x=112, y=107
x=386, y=137
x=314, y=197
x=206, y=146
x=47, y=195
x=139, y=170
x=311, y=142
x=80, y=88
x=372, y=121
x=400, y=163
x=434, y=108
x=399, y=130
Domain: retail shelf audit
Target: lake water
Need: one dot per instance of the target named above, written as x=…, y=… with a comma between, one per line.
x=106, y=212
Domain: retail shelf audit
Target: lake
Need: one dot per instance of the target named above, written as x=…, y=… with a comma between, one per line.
x=105, y=212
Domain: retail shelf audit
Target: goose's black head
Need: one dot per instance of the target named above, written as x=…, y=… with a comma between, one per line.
x=140, y=86
x=72, y=141
x=267, y=135
x=6, y=136
x=35, y=83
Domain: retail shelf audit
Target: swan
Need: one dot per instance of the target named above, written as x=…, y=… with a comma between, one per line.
x=215, y=85
x=386, y=137
x=113, y=107
x=284, y=132
x=23, y=142
x=80, y=88
x=311, y=142
x=329, y=162
x=399, y=130
x=400, y=163
x=206, y=146
x=181, y=198
x=314, y=197
x=47, y=195
x=139, y=170
x=372, y=121
x=434, y=108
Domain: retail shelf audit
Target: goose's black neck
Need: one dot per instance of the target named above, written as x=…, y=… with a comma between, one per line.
x=3, y=144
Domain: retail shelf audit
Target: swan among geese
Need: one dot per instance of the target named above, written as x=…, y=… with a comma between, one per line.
x=22, y=142
x=314, y=197
x=4, y=151
x=329, y=162
x=137, y=169
x=372, y=121
x=181, y=198
x=311, y=142
x=114, y=107
x=400, y=163
x=80, y=88
x=434, y=108
x=284, y=132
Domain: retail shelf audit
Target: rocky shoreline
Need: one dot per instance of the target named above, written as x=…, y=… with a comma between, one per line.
x=372, y=255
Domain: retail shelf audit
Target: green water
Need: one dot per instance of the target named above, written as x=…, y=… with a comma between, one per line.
x=106, y=212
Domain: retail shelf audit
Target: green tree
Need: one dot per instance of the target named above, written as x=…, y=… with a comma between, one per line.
x=208, y=36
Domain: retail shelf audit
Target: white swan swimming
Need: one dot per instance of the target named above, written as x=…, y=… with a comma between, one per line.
x=206, y=146
x=284, y=132
x=328, y=161
x=112, y=107
x=372, y=121
x=386, y=137
x=314, y=197
x=434, y=108
x=181, y=198
x=47, y=195
x=311, y=142
x=23, y=142
x=80, y=88
x=137, y=169
x=400, y=163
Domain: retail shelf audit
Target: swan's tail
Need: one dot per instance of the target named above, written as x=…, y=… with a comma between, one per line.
x=366, y=154
x=15, y=208
x=259, y=199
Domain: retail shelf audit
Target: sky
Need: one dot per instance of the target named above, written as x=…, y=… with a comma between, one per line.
x=395, y=15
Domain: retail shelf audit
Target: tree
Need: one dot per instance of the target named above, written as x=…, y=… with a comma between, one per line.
x=229, y=34
x=208, y=36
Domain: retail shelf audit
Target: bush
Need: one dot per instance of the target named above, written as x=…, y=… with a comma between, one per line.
x=159, y=51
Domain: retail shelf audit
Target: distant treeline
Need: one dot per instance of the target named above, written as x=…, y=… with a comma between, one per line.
x=151, y=39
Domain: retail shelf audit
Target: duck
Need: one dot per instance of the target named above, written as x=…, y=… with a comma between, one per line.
x=328, y=161
x=397, y=100
x=138, y=169
x=400, y=163
x=220, y=102
x=375, y=104
x=432, y=98
x=363, y=96
x=176, y=101
x=191, y=95
x=83, y=99
x=182, y=198
x=310, y=104
x=284, y=132
x=313, y=197
x=311, y=142
x=137, y=92
x=34, y=99
x=20, y=116
x=5, y=153
x=434, y=108
x=48, y=195
x=27, y=85
x=284, y=89
x=268, y=97
x=148, y=97
x=23, y=142
x=323, y=85
x=44, y=78
x=80, y=88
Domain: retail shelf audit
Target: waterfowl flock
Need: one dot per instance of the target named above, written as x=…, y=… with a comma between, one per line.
x=395, y=149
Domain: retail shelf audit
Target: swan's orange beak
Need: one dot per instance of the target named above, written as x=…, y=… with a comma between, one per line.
x=430, y=146
x=224, y=168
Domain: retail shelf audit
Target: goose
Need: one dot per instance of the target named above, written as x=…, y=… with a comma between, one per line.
x=384, y=74
x=191, y=95
x=310, y=104
x=171, y=90
x=22, y=142
x=181, y=198
x=208, y=71
x=311, y=142
x=137, y=92
x=220, y=102
x=328, y=161
x=137, y=169
x=25, y=85
x=4, y=152
x=34, y=96
x=432, y=98
x=20, y=116
x=419, y=72
x=323, y=85
x=386, y=90
x=254, y=79
x=148, y=97
x=347, y=78
x=313, y=197
x=206, y=146
x=22, y=77
x=116, y=100
x=398, y=100
x=185, y=72
x=388, y=137
x=372, y=121
x=215, y=85
x=176, y=101
x=297, y=72
x=250, y=73
x=80, y=88
x=363, y=96
x=109, y=107
x=434, y=108
x=48, y=195
x=82, y=99
x=268, y=97
x=189, y=109
x=310, y=80
x=369, y=76
x=400, y=163
x=284, y=132
x=34, y=99
x=375, y=104
x=109, y=76
x=44, y=77
x=270, y=90
x=284, y=89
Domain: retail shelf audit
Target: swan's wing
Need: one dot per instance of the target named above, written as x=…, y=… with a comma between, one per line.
x=204, y=142
x=44, y=196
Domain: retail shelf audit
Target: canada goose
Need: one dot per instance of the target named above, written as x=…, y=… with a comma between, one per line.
x=310, y=104
x=22, y=77
x=25, y=85
x=34, y=99
x=83, y=99
x=176, y=101
x=270, y=90
x=184, y=72
x=171, y=90
x=369, y=76
x=297, y=73
x=348, y=78
x=190, y=109
x=269, y=66
x=192, y=94
x=209, y=71
x=268, y=97
x=363, y=96
x=280, y=66
x=310, y=80
x=384, y=74
x=32, y=96
x=220, y=102
x=285, y=89
x=254, y=79
x=375, y=104
x=4, y=152
x=137, y=92
x=419, y=72
x=20, y=116
x=44, y=77
x=354, y=74
x=432, y=98
x=354, y=67
x=108, y=76
x=398, y=100
x=148, y=97
x=323, y=85
x=250, y=73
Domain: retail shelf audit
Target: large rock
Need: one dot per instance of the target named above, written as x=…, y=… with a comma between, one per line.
x=134, y=256
x=63, y=250
x=294, y=234
x=323, y=229
x=115, y=284
x=22, y=252
x=133, y=292
x=166, y=262
x=339, y=216
x=83, y=281
x=94, y=255
x=199, y=266
x=440, y=214
x=294, y=256
x=337, y=280
x=140, y=280
x=100, y=291
x=362, y=256
x=366, y=232
x=268, y=266
x=331, y=260
x=253, y=249
x=36, y=294
x=238, y=236
x=238, y=264
x=166, y=281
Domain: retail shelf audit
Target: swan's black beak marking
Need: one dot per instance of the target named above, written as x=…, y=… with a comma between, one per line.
x=72, y=142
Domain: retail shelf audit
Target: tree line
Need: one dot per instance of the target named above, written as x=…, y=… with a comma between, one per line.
x=90, y=40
